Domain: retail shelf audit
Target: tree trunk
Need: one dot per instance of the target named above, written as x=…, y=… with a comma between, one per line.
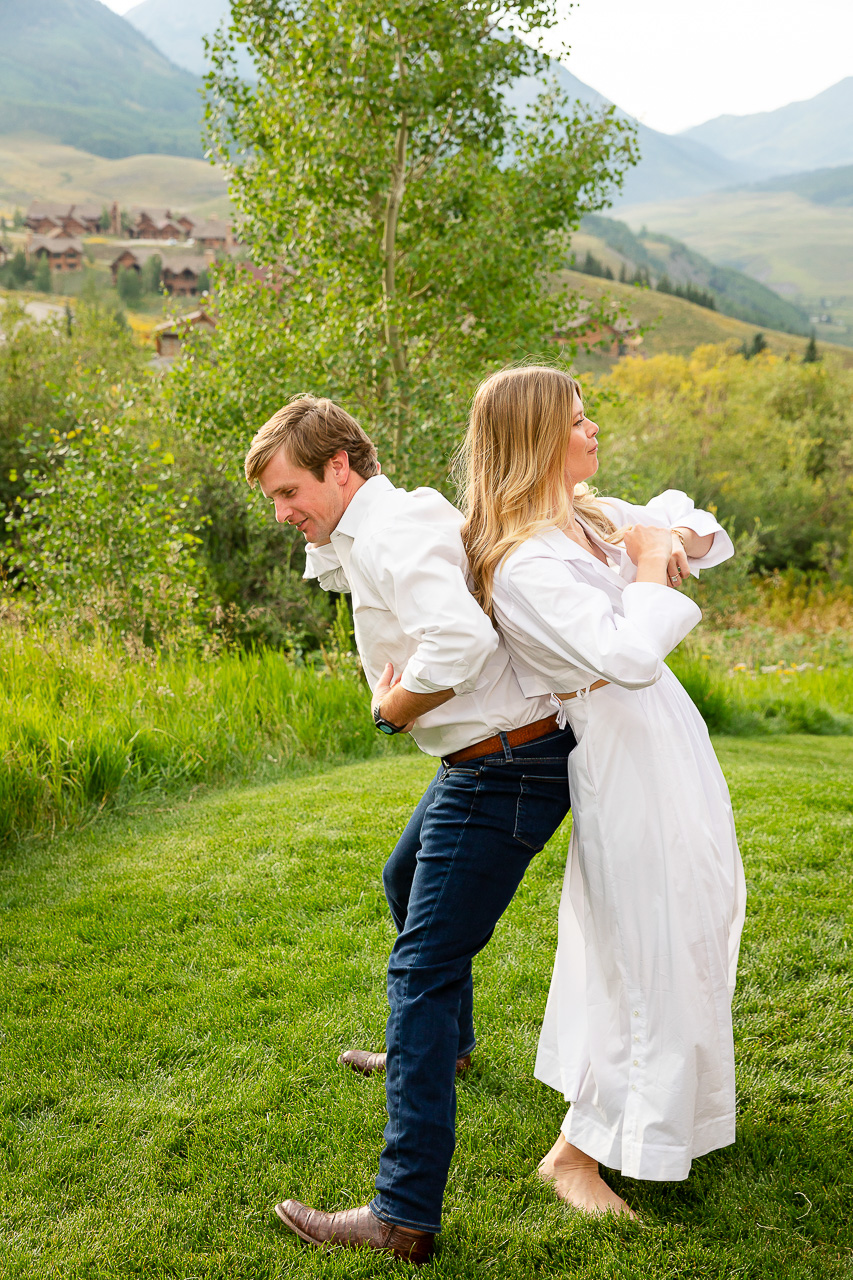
x=393, y=345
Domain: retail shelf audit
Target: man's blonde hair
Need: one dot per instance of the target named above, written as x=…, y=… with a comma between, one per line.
x=512, y=468
x=311, y=431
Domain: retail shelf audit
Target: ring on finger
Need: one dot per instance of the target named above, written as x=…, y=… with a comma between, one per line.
x=675, y=577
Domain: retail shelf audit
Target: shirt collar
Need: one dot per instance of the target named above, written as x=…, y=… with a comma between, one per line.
x=363, y=500
x=567, y=549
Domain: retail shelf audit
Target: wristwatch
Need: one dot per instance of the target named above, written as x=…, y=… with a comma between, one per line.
x=383, y=725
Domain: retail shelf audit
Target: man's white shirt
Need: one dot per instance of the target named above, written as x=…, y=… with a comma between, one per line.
x=400, y=556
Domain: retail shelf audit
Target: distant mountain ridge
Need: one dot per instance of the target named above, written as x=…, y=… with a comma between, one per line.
x=820, y=186
x=670, y=167
x=177, y=30
x=814, y=134
x=77, y=72
x=735, y=293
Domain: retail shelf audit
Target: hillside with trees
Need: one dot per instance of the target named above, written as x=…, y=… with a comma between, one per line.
x=656, y=257
x=78, y=73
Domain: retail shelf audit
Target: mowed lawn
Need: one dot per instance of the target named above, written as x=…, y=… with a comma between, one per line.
x=177, y=985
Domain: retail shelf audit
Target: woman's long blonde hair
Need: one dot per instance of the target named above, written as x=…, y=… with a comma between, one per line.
x=511, y=468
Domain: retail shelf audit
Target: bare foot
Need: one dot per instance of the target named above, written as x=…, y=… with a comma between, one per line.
x=576, y=1180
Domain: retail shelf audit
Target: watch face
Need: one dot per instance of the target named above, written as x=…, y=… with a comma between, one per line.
x=386, y=728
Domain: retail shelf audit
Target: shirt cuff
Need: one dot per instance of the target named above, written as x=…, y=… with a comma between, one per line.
x=320, y=560
x=418, y=679
x=722, y=548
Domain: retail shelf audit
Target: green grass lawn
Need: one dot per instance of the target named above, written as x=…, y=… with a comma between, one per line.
x=178, y=983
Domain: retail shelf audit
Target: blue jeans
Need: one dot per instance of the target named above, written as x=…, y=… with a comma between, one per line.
x=397, y=876
x=480, y=824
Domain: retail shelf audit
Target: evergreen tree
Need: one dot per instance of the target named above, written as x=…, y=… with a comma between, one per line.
x=41, y=279
x=811, y=354
x=754, y=348
x=129, y=286
x=152, y=270
x=623, y=275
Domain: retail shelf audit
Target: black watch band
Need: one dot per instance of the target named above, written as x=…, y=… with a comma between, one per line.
x=383, y=725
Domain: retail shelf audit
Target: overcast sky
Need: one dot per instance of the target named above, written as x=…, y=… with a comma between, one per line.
x=676, y=63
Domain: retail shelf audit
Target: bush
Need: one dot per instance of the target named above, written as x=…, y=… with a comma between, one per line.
x=762, y=439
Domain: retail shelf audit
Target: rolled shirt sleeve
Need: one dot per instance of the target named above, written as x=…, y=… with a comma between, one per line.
x=574, y=629
x=322, y=563
x=420, y=574
x=674, y=509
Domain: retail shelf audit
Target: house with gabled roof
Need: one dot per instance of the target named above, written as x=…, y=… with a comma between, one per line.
x=64, y=253
x=44, y=216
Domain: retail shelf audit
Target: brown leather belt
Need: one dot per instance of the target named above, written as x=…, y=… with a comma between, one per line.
x=515, y=737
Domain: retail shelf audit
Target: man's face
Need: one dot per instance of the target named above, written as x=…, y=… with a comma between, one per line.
x=313, y=506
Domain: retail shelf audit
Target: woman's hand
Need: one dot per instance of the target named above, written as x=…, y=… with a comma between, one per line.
x=678, y=569
x=658, y=554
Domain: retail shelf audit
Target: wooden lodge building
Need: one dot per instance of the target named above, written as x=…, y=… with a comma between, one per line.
x=153, y=223
x=44, y=218
x=180, y=274
x=64, y=253
x=172, y=334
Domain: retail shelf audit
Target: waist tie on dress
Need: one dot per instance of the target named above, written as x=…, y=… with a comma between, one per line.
x=560, y=703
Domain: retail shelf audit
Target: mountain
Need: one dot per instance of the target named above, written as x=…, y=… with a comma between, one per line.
x=734, y=293
x=177, y=30
x=78, y=73
x=820, y=186
x=670, y=166
x=814, y=134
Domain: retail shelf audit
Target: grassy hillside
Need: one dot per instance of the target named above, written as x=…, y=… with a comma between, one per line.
x=801, y=249
x=735, y=294
x=31, y=167
x=679, y=327
x=77, y=72
x=821, y=186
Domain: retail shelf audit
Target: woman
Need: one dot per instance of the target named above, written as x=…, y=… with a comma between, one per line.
x=637, y=1032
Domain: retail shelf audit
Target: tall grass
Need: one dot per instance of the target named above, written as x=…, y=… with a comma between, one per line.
x=86, y=727
x=749, y=703
x=82, y=728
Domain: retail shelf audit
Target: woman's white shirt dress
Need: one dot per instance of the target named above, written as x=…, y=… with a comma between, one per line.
x=637, y=1032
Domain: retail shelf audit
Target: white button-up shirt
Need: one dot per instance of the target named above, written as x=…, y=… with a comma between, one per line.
x=400, y=555
x=569, y=620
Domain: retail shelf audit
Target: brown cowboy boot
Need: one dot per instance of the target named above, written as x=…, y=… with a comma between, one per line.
x=365, y=1063
x=355, y=1228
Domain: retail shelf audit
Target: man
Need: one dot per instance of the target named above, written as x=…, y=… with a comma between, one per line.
x=437, y=668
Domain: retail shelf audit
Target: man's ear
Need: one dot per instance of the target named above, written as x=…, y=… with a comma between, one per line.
x=339, y=462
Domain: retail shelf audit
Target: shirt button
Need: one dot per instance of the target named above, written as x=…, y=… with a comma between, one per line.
x=636, y=1062
x=634, y=1087
x=636, y=1013
x=637, y=1038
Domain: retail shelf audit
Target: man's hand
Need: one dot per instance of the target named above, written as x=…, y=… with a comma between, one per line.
x=387, y=682
x=400, y=707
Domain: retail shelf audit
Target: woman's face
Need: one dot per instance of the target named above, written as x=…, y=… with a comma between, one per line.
x=582, y=457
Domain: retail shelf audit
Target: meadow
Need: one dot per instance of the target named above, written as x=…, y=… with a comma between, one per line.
x=799, y=248
x=179, y=982
x=34, y=167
